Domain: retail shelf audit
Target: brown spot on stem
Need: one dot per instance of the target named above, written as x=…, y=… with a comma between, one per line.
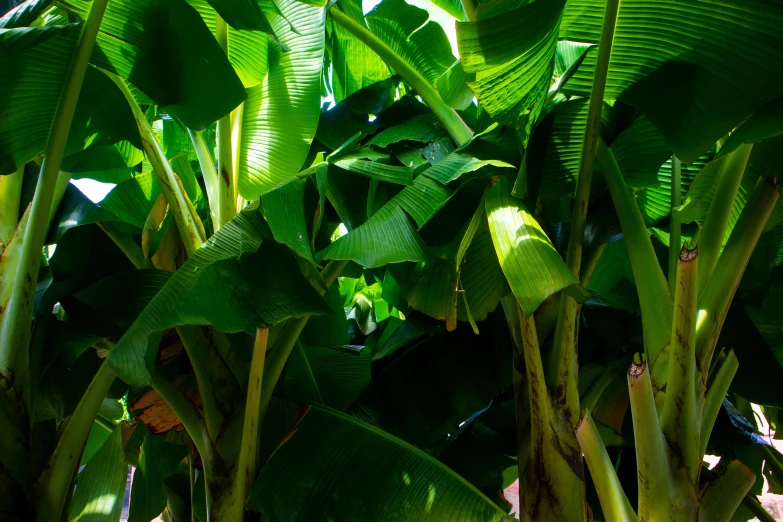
x=687, y=255
x=224, y=175
x=637, y=369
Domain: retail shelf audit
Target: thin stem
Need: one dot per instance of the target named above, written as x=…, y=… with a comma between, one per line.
x=651, y=463
x=716, y=297
x=725, y=369
x=126, y=243
x=236, y=143
x=210, y=175
x=244, y=472
x=190, y=227
x=191, y=419
x=192, y=476
x=753, y=505
x=654, y=296
x=563, y=374
x=680, y=419
x=722, y=497
x=675, y=228
x=713, y=229
x=54, y=483
x=10, y=196
x=197, y=346
x=226, y=185
x=614, y=502
x=17, y=316
x=286, y=340
x=457, y=128
x=469, y=6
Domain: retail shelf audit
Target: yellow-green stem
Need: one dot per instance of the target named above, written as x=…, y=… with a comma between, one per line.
x=614, y=502
x=680, y=420
x=10, y=196
x=713, y=229
x=191, y=229
x=654, y=296
x=54, y=483
x=197, y=346
x=725, y=368
x=753, y=505
x=716, y=297
x=210, y=176
x=225, y=162
x=126, y=243
x=469, y=6
x=651, y=462
x=563, y=368
x=17, y=316
x=453, y=123
x=723, y=495
x=244, y=471
x=286, y=340
x=675, y=228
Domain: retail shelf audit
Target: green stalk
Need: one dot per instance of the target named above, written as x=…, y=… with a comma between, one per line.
x=614, y=502
x=197, y=346
x=521, y=398
x=680, y=419
x=286, y=340
x=54, y=482
x=722, y=496
x=563, y=368
x=10, y=196
x=675, y=228
x=215, y=473
x=244, y=471
x=553, y=469
x=226, y=185
x=17, y=316
x=192, y=476
x=210, y=176
x=190, y=227
x=716, y=297
x=725, y=368
x=457, y=128
x=713, y=230
x=236, y=143
x=596, y=389
x=652, y=465
x=771, y=457
x=126, y=243
x=469, y=6
x=753, y=505
x=654, y=296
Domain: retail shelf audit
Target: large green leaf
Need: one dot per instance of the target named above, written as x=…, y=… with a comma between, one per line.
x=354, y=65
x=247, y=50
x=34, y=74
x=685, y=65
x=406, y=30
x=228, y=283
x=132, y=200
x=284, y=211
x=512, y=47
x=332, y=459
x=656, y=203
x=331, y=376
x=164, y=48
x=100, y=486
x=23, y=14
x=280, y=116
x=387, y=237
x=532, y=266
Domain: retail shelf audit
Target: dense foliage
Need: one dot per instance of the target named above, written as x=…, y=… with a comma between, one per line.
x=349, y=272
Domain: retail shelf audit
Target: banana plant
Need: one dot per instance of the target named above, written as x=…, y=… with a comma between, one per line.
x=316, y=288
